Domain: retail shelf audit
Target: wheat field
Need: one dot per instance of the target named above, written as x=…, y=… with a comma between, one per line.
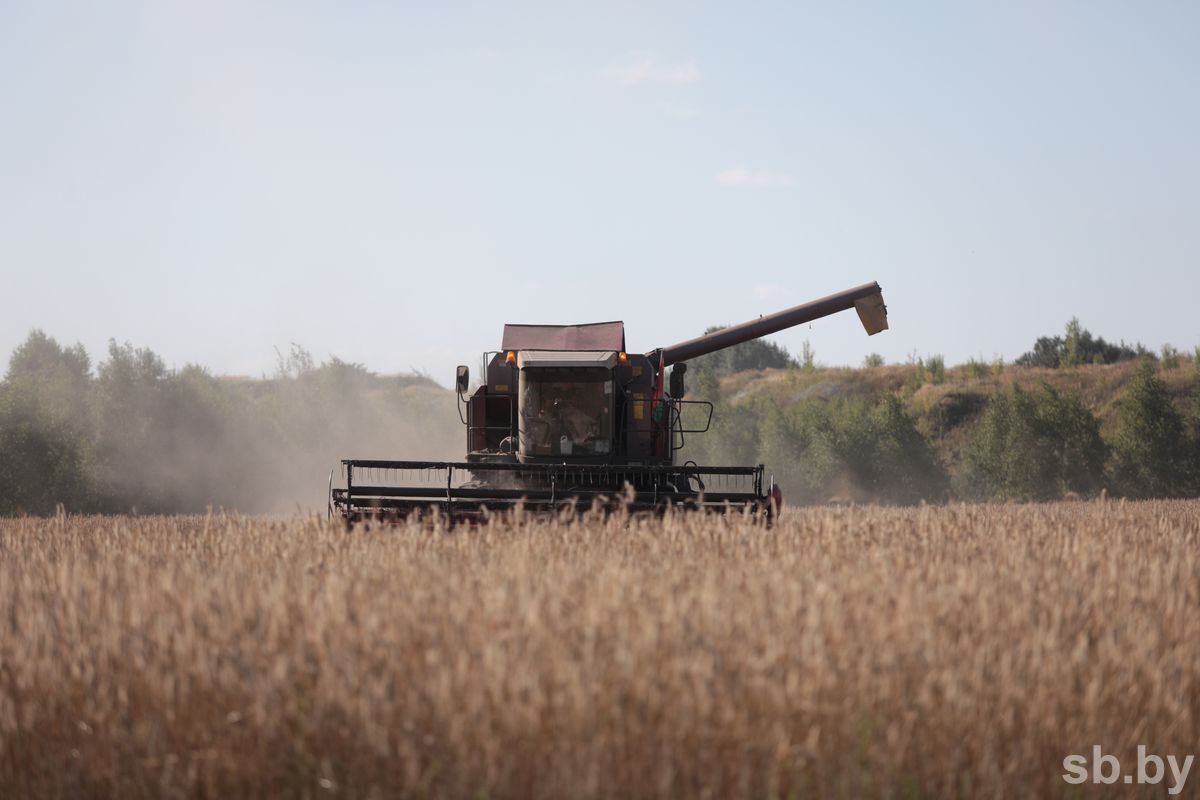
x=847, y=652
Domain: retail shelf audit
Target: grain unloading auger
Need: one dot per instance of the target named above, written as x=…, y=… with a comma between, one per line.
x=566, y=416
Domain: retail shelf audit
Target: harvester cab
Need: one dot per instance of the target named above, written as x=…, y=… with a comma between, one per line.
x=567, y=394
x=564, y=414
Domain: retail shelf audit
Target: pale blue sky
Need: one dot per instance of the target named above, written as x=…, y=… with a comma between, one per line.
x=391, y=183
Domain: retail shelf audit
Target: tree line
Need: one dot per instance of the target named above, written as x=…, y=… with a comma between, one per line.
x=1022, y=445
x=131, y=434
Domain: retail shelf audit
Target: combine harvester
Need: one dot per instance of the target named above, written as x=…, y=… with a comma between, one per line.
x=566, y=417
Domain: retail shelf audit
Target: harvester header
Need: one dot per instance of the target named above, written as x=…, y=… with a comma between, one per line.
x=563, y=414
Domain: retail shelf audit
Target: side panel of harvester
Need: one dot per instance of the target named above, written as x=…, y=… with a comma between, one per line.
x=492, y=410
x=637, y=379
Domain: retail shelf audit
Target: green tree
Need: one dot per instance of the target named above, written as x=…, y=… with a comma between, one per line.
x=1072, y=432
x=46, y=451
x=755, y=354
x=1005, y=459
x=779, y=448
x=1033, y=447
x=43, y=463
x=734, y=435
x=138, y=432
x=706, y=383
x=903, y=464
x=849, y=448
x=1079, y=346
x=1149, y=450
x=1072, y=355
x=54, y=378
x=808, y=358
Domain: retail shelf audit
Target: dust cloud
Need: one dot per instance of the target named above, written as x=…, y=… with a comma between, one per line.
x=132, y=435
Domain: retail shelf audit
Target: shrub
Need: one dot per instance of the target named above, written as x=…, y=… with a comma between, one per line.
x=903, y=465
x=1030, y=447
x=977, y=369
x=916, y=376
x=937, y=369
x=1004, y=459
x=735, y=435
x=1170, y=357
x=808, y=359
x=849, y=449
x=1078, y=449
x=872, y=360
x=1150, y=454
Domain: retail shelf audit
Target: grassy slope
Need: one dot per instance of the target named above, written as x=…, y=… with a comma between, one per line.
x=947, y=412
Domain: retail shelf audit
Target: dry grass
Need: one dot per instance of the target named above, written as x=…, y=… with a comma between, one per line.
x=933, y=652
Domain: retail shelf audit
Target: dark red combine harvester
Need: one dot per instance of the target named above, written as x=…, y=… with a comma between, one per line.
x=566, y=416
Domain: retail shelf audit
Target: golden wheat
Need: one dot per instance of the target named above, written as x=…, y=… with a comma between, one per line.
x=847, y=652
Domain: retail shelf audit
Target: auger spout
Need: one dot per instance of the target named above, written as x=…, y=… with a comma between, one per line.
x=866, y=299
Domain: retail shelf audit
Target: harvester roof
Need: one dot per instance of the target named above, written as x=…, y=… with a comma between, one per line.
x=593, y=336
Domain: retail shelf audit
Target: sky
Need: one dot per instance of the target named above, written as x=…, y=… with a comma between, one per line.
x=390, y=183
